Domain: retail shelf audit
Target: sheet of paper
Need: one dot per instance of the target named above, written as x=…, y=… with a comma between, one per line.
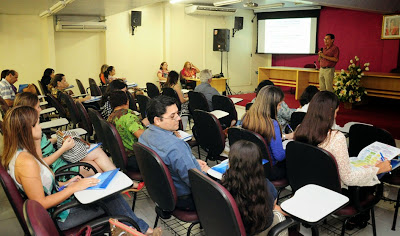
x=236, y=100
x=185, y=136
x=219, y=114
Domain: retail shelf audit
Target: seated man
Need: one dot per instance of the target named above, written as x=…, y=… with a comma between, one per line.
x=205, y=87
x=127, y=124
x=163, y=115
x=7, y=89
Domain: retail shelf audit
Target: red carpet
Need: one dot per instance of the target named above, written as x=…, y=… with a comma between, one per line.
x=381, y=112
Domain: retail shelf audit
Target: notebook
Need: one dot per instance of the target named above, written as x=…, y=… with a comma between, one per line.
x=105, y=179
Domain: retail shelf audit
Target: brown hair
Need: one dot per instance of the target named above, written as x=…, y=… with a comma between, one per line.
x=17, y=131
x=26, y=99
x=319, y=119
x=264, y=109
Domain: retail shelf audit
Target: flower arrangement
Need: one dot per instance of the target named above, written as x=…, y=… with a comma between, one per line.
x=347, y=84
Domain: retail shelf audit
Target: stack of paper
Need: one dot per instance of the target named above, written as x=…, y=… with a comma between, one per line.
x=219, y=113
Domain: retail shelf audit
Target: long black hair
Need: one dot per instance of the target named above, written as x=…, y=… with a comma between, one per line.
x=245, y=180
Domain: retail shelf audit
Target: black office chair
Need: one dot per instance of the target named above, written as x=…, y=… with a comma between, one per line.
x=360, y=136
x=170, y=92
x=296, y=119
x=248, y=105
x=94, y=88
x=118, y=154
x=209, y=134
x=307, y=164
x=85, y=122
x=224, y=103
x=132, y=101
x=197, y=101
x=236, y=134
x=72, y=114
x=95, y=118
x=142, y=101
x=82, y=89
x=152, y=90
x=56, y=104
x=44, y=89
x=160, y=186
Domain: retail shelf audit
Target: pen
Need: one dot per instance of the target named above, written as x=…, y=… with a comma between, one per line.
x=383, y=159
x=64, y=186
x=290, y=127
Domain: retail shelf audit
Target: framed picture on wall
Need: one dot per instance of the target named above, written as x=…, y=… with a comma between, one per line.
x=390, y=27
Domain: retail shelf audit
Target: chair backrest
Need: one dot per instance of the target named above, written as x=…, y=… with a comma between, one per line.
x=225, y=104
x=71, y=107
x=44, y=89
x=248, y=105
x=56, y=104
x=37, y=89
x=94, y=89
x=296, y=119
x=38, y=219
x=132, y=101
x=307, y=164
x=95, y=118
x=215, y=206
x=170, y=92
x=85, y=122
x=152, y=90
x=14, y=197
x=80, y=86
x=237, y=133
x=209, y=132
x=361, y=135
x=142, y=101
x=114, y=144
x=156, y=176
x=197, y=101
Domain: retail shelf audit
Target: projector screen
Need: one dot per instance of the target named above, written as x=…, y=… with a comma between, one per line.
x=287, y=36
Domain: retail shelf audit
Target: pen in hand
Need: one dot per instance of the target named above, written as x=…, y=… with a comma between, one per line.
x=65, y=185
x=383, y=159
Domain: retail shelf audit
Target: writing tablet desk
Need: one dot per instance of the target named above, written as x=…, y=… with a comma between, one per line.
x=119, y=183
x=218, y=83
x=311, y=204
x=54, y=123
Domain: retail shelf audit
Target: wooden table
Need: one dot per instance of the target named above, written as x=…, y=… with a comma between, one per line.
x=377, y=84
x=218, y=83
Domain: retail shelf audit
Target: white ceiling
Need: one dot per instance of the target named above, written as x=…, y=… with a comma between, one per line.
x=110, y=7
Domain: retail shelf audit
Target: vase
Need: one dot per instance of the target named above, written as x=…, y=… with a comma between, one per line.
x=348, y=105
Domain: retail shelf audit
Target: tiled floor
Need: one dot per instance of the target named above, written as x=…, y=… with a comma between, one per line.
x=9, y=224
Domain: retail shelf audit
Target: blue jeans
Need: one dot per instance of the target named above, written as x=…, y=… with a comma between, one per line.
x=116, y=204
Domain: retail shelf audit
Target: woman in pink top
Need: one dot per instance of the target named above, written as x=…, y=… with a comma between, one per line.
x=162, y=73
x=189, y=71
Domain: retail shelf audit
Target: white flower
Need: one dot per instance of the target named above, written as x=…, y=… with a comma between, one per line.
x=342, y=70
x=359, y=70
x=362, y=74
x=359, y=76
x=355, y=57
x=353, y=65
x=351, y=61
x=366, y=68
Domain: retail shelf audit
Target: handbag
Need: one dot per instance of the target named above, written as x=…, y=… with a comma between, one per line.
x=118, y=228
x=78, y=152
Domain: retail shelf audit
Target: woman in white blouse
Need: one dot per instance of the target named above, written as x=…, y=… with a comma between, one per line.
x=316, y=130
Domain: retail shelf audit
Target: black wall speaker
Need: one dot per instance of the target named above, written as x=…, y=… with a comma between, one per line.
x=238, y=23
x=136, y=18
x=221, y=40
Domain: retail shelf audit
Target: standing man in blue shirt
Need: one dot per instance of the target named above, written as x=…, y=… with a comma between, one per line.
x=163, y=115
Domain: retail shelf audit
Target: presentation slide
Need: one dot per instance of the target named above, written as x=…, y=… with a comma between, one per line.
x=287, y=36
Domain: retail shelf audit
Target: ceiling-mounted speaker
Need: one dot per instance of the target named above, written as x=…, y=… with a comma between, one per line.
x=136, y=18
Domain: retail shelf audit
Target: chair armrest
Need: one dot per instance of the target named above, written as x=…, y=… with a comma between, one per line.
x=68, y=175
x=75, y=203
x=289, y=222
x=355, y=194
x=84, y=164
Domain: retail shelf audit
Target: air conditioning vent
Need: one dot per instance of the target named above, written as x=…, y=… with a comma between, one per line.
x=209, y=10
x=81, y=26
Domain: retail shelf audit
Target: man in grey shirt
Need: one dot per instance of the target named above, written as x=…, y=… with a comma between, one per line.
x=205, y=87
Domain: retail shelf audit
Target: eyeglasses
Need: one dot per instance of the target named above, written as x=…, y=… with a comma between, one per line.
x=173, y=116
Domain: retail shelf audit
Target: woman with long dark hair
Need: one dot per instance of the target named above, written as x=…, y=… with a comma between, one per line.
x=261, y=118
x=48, y=74
x=255, y=196
x=21, y=158
x=105, y=107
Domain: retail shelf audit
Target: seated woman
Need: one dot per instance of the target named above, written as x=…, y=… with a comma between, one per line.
x=162, y=73
x=172, y=82
x=21, y=158
x=97, y=158
x=48, y=75
x=189, y=71
x=101, y=75
x=316, y=129
x=127, y=124
x=105, y=107
x=109, y=75
x=59, y=84
x=284, y=113
x=255, y=196
x=306, y=97
x=265, y=108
